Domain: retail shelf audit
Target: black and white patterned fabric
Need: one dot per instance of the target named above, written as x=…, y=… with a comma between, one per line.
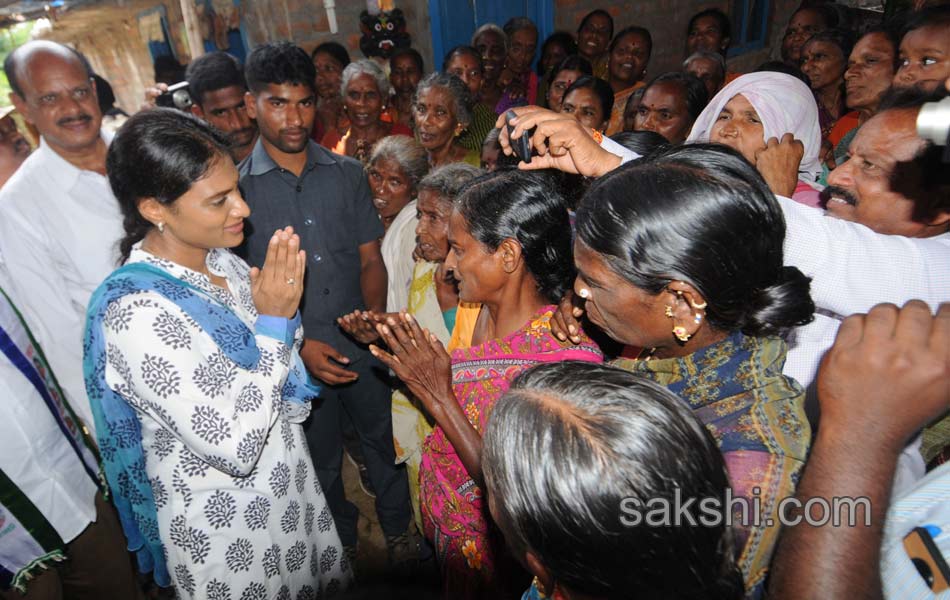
x=233, y=482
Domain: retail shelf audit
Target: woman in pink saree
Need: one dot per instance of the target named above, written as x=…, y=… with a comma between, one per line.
x=510, y=251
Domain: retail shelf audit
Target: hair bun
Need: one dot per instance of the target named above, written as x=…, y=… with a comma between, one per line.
x=775, y=309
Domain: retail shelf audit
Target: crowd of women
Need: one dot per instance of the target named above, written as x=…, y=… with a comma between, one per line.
x=503, y=397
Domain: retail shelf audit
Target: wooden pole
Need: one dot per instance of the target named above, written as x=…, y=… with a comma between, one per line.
x=193, y=31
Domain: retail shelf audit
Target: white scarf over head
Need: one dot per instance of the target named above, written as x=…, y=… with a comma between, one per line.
x=784, y=105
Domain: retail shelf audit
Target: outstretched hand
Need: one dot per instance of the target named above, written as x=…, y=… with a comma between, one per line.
x=559, y=142
x=418, y=358
x=361, y=325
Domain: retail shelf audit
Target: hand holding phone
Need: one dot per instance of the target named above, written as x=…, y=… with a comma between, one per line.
x=520, y=146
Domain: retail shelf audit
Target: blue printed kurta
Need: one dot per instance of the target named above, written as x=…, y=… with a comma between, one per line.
x=241, y=514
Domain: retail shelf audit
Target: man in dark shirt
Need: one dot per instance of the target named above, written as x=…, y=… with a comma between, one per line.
x=290, y=180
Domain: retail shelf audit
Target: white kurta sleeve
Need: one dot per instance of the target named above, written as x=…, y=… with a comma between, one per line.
x=52, y=302
x=172, y=371
x=853, y=268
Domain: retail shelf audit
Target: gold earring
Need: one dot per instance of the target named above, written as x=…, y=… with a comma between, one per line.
x=669, y=312
x=698, y=306
x=681, y=334
x=161, y=226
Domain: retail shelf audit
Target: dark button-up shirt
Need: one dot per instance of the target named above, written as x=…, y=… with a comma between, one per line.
x=331, y=208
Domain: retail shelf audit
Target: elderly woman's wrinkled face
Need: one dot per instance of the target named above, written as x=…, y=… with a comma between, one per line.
x=521, y=48
x=824, y=63
x=584, y=104
x=432, y=231
x=391, y=187
x=924, y=58
x=362, y=101
x=663, y=109
x=329, y=75
x=626, y=313
x=436, y=122
x=870, y=71
x=739, y=127
x=562, y=81
x=479, y=271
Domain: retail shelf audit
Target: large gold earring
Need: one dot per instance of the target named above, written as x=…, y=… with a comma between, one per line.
x=681, y=334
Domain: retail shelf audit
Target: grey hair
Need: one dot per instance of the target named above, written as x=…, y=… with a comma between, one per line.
x=494, y=28
x=405, y=152
x=461, y=95
x=448, y=181
x=713, y=56
x=366, y=67
x=516, y=24
x=564, y=450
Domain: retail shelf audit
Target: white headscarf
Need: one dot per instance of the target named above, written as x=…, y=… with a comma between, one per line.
x=784, y=105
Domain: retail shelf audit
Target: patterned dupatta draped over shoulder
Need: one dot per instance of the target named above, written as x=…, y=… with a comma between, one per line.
x=118, y=428
x=757, y=417
x=454, y=514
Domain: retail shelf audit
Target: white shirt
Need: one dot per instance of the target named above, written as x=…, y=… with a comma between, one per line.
x=34, y=452
x=853, y=268
x=59, y=233
x=397, y=248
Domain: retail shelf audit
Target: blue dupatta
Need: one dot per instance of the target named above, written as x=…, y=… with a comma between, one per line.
x=118, y=429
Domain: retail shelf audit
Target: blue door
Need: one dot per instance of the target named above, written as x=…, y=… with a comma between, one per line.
x=454, y=21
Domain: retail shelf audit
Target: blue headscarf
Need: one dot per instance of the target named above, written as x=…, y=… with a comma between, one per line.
x=117, y=426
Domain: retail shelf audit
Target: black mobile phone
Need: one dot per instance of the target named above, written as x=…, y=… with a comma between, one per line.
x=927, y=559
x=521, y=146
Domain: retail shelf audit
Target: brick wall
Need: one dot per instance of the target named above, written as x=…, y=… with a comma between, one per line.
x=305, y=22
x=108, y=34
x=667, y=22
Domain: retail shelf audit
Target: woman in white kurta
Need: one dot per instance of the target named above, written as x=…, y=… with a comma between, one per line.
x=240, y=512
